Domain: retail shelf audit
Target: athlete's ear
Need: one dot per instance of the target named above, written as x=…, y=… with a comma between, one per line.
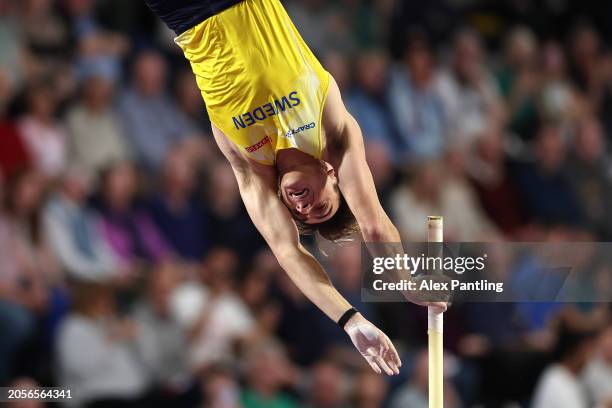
x=329, y=170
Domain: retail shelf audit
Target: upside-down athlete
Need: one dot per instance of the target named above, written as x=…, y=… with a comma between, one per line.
x=297, y=154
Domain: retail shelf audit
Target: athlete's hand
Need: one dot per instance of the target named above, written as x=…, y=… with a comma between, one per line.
x=373, y=345
x=438, y=307
x=438, y=300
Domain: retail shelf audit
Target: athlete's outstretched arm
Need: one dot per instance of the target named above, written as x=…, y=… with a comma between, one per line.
x=347, y=151
x=258, y=186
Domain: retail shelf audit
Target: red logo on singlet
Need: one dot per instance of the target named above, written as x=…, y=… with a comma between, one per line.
x=258, y=145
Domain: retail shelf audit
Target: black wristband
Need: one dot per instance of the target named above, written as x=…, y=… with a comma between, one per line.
x=347, y=316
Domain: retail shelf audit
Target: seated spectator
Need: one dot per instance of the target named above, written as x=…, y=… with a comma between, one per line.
x=13, y=154
x=255, y=285
x=43, y=137
x=559, y=386
x=75, y=232
x=227, y=216
x=416, y=108
x=189, y=101
x=534, y=319
x=95, y=352
x=45, y=33
x=337, y=64
x=255, y=292
x=17, y=302
x=519, y=82
x=268, y=371
x=371, y=22
x=598, y=373
x=319, y=24
x=549, y=198
x=13, y=46
x=436, y=191
x=24, y=204
x=369, y=390
x=469, y=93
x=603, y=92
x=95, y=137
x=327, y=388
x=220, y=388
x=161, y=341
x=346, y=275
x=414, y=394
x=585, y=52
x=366, y=100
x=211, y=310
x=152, y=122
x=176, y=210
x=129, y=229
x=488, y=169
x=557, y=99
x=588, y=169
x=471, y=222
x=92, y=39
x=39, y=283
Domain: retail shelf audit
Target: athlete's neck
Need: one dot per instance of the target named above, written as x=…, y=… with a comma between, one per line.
x=287, y=159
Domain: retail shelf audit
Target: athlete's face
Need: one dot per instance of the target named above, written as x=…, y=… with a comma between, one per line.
x=311, y=193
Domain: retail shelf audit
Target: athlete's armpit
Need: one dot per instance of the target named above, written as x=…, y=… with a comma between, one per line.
x=229, y=150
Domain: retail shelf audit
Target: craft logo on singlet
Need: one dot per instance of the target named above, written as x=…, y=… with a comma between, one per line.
x=302, y=128
x=258, y=145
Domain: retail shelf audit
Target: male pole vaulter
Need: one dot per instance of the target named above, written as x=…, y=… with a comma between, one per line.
x=297, y=154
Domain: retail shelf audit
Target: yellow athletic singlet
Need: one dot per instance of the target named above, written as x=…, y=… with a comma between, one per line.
x=262, y=85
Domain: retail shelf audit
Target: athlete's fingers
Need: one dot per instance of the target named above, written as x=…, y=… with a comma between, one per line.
x=393, y=352
x=388, y=358
x=382, y=364
x=374, y=357
x=391, y=364
x=387, y=353
x=373, y=365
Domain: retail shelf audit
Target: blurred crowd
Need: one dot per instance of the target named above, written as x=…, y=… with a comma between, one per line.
x=131, y=273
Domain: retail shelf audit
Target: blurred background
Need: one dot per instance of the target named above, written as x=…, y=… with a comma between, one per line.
x=131, y=273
